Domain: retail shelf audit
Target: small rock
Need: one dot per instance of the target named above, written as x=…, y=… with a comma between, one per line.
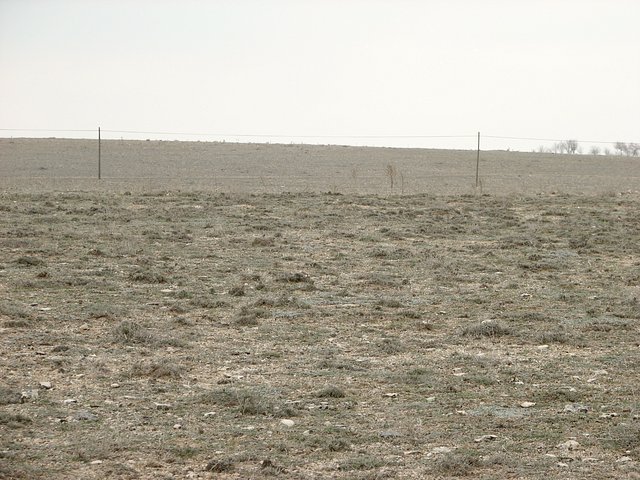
x=485, y=438
x=542, y=347
x=115, y=385
x=624, y=459
x=69, y=401
x=441, y=450
x=562, y=464
x=287, y=423
x=568, y=445
x=177, y=426
x=46, y=385
x=391, y=395
x=163, y=406
x=390, y=434
x=95, y=462
x=608, y=415
x=527, y=404
x=28, y=395
x=575, y=408
x=86, y=416
x=430, y=399
x=209, y=414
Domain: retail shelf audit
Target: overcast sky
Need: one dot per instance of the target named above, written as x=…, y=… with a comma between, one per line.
x=524, y=68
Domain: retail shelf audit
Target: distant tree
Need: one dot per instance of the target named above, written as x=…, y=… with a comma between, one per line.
x=571, y=146
x=559, y=147
x=633, y=149
x=621, y=148
x=607, y=151
x=595, y=150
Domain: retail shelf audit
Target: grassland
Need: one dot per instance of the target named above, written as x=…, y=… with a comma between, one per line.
x=140, y=166
x=318, y=335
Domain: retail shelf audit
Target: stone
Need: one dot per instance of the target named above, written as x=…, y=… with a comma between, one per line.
x=441, y=450
x=575, y=408
x=568, y=445
x=527, y=404
x=46, y=385
x=485, y=438
x=287, y=423
x=86, y=416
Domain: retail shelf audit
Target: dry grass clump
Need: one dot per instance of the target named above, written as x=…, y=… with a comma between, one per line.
x=14, y=312
x=456, y=464
x=489, y=329
x=237, y=291
x=248, y=317
x=625, y=437
x=331, y=392
x=131, y=332
x=263, y=242
x=8, y=396
x=223, y=465
x=28, y=261
x=163, y=368
x=147, y=276
x=12, y=420
x=246, y=402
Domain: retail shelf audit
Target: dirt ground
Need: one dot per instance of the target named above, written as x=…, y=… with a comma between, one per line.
x=127, y=165
x=184, y=334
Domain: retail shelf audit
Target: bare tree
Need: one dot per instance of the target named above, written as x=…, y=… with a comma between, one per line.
x=621, y=148
x=595, y=150
x=571, y=146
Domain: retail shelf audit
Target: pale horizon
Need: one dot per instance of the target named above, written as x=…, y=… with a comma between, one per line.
x=380, y=73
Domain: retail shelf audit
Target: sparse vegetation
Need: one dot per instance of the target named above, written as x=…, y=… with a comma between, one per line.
x=319, y=335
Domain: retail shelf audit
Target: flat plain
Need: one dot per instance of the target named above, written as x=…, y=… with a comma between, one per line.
x=196, y=333
x=136, y=166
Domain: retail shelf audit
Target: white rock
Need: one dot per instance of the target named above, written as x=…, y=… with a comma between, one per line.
x=527, y=404
x=441, y=450
x=485, y=438
x=46, y=385
x=287, y=423
x=568, y=445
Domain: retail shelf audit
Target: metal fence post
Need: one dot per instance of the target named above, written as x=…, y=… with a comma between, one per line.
x=478, y=163
x=99, y=155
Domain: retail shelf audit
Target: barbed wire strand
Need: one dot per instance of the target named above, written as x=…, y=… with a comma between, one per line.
x=263, y=135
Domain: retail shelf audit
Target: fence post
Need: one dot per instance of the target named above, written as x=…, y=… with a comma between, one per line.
x=99, y=155
x=478, y=163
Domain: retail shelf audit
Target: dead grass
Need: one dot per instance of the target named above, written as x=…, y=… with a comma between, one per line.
x=319, y=336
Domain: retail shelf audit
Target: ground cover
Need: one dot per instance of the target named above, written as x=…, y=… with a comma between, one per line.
x=203, y=335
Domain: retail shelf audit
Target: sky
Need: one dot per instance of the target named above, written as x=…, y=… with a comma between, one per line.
x=428, y=73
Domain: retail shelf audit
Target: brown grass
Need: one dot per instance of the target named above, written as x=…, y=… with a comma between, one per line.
x=396, y=333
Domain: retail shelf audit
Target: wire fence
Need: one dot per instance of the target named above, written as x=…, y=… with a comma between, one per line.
x=106, y=158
